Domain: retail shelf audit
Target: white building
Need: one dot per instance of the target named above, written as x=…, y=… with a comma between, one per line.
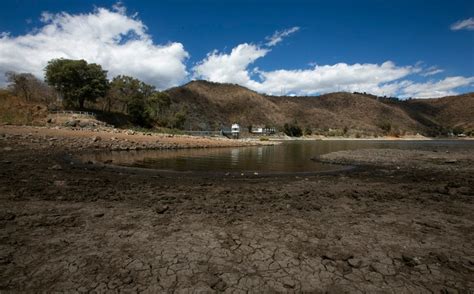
x=235, y=130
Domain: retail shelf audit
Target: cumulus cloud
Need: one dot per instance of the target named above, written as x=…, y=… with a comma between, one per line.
x=387, y=78
x=278, y=36
x=120, y=43
x=465, y=24
x=231, y=67
x=331, y=78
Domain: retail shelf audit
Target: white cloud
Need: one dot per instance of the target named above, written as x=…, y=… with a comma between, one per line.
x=278, y=36
x=385, y=79
x=331, y=78
x=465, y=24
x=431, y=71
x=232, y=67
x=432, y=89
x=120, y=43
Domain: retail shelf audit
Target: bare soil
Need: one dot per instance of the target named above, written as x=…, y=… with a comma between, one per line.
x=382, y=227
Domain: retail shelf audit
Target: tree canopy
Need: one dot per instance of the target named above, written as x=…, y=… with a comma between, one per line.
x=76, y=80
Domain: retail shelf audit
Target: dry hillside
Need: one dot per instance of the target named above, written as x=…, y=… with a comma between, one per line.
x=211, y=105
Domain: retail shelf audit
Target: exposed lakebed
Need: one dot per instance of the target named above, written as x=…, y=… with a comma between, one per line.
x=287, y=157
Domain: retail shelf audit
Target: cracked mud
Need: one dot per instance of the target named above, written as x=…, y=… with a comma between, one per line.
x=87, y=228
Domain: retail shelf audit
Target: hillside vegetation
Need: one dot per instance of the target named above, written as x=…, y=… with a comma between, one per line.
x=210, y=105
x=202, y=105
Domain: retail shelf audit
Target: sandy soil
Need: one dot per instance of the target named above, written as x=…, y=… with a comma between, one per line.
x=383, y=227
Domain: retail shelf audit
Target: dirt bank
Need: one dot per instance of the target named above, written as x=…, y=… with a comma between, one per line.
x=77, y=139
x=68, y=227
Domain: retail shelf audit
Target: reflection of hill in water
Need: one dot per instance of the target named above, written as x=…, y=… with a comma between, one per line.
x=286, y=157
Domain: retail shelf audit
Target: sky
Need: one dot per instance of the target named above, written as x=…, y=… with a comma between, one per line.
x=389, y=48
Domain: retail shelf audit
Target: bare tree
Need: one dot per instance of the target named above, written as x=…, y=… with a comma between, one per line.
x=28, y=87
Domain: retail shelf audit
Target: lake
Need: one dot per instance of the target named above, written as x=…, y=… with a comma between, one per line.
x=287, y=157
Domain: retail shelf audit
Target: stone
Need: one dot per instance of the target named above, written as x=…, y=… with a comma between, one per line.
x=7, y=149
x=56, y=167
x=354, y=262
x=7, y=216
x=71, y=123
x=100, y=214
x=160, y=209
x=383, y=269
x=410, y=260
x=96, y=139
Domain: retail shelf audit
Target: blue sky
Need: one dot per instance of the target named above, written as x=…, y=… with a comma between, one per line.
x=334, y=45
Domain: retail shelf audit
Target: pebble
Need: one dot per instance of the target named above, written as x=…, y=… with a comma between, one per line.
x=160, y=209
x=56, y=167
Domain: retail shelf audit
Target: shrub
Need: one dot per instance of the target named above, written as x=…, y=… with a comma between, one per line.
x=385, y=126
x=292, y=130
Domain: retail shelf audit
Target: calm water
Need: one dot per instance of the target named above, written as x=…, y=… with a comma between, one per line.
x=291, y=157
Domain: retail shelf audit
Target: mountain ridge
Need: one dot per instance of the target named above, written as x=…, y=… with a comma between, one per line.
x=210, y=105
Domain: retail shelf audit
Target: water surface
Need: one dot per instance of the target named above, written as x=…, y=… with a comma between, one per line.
x=287, y=157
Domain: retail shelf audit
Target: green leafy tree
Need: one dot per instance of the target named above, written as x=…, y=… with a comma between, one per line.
x=76, y=80
x=126, y=90
x=137, y=99
x=157, y=105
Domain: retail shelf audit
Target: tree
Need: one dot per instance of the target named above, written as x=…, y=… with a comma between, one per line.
x=137, y=99
x=292, y=130
x=127, y=90
x=28, y=87
x=157, y=104
x=76, y=80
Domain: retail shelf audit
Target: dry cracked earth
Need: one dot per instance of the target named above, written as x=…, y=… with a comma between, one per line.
x=89, y=228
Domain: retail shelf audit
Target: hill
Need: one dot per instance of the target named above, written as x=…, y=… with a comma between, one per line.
x=211, y=105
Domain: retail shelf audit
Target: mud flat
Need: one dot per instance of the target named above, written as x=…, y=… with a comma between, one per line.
x=400, y=222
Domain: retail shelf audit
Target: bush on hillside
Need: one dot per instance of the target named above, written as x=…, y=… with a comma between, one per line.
x=292, y=130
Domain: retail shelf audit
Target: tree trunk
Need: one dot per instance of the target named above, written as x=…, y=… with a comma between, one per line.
x=81, y=103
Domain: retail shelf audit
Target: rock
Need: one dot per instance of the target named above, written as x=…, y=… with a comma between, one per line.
x=5, y=161
x=218, y=284
x=60, y=183
x=451, y=161
x=410, y=260
x=160, y=209
x=100, y=214
x=383, y=269
x=7, y=149
x=56, y=167
x=96, y=139
x=354, y=262
x=71, y=123
x=337, y=254
x=7, y=216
